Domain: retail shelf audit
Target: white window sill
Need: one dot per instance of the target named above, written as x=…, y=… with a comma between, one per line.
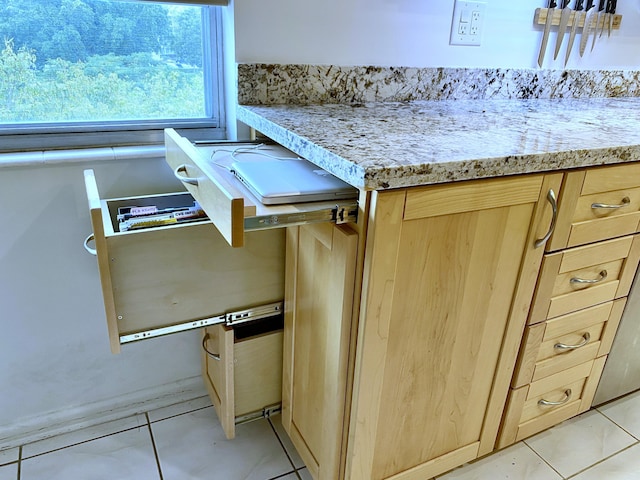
x=57, y=157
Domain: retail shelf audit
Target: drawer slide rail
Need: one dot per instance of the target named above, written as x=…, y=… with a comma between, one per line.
x=230, y=319
x=346, y=213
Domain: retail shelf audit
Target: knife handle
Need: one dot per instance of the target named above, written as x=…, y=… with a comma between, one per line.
x=589, y=5
x=614, y=4
x=553, y=4
x=601, y=5
x=578, y=5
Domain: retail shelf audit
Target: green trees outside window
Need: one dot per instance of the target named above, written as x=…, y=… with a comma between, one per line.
x=99, y=60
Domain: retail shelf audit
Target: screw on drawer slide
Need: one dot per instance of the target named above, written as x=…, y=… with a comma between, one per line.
x=229, y=319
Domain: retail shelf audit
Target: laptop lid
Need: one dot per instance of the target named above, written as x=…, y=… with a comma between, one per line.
x=280, y=181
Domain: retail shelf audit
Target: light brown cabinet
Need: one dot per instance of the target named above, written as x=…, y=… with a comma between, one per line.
x=447, y=278
x=579, y=300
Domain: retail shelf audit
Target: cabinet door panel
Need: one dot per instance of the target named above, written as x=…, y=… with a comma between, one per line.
x=321, y=263
x=439, y=297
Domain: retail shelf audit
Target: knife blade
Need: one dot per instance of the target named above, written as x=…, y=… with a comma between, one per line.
x=601, y=14
x=606, y=16
x=612, y=11
x=547, y=28
x=591, y=11
x=577, y=16
x=562, y=28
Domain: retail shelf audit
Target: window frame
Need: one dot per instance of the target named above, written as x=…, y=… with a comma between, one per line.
x=61, y=135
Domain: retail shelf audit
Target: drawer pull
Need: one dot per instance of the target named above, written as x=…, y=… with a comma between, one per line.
x=626, y=201
x=551, y=198
x=215, y=356
x=88, y=240
x=563, y=346
x=189, y=180
x=601, y=277
x=546, y=403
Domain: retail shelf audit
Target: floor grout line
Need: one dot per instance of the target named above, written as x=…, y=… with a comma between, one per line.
x=19, y=462
x=153, y=444
x=273, y=428
x=524, y=442
x=600, y=461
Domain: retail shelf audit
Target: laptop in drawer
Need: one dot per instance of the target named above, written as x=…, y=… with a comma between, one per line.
x=280, y=181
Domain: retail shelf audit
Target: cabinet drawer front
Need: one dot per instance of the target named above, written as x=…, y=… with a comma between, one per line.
x=233, y=209
x=584, y=276
x=583, y=330
x=608, y=204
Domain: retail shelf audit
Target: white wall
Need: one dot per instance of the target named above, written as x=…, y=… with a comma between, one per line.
x=414, y=33
x=55, y=363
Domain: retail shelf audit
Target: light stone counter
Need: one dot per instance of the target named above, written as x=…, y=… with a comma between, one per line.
x=383, y=145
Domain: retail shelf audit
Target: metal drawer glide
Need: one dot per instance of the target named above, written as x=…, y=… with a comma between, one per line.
x=229, y=319
x=345, y=213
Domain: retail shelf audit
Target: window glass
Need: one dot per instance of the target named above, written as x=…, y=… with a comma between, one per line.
x=71, y=62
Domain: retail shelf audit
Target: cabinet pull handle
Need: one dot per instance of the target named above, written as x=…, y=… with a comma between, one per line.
x=215, y=356
x=551, y=198
x=87, y=240
x=546, y=403
x=189, y=180
x=626, y=201
x=601, y=276
x=563, y=346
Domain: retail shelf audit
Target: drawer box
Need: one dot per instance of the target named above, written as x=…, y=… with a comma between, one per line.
x=171, y=278
x=232, y=208
x=242, y=370
x=585, y=276
x=549, y=401
x=564, y=342
x=597, y=204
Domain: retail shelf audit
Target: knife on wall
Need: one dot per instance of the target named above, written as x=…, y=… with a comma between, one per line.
x=600, y=17
x=564, y=21
x=612, y=11
x=577, y=16
x=588, y=25
x=547, y=27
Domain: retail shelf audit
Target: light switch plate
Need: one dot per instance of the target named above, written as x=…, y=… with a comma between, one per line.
x=467, y=23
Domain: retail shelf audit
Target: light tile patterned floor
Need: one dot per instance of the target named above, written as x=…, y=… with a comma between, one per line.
x=185, y=442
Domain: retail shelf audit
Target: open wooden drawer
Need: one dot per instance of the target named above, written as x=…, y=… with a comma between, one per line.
x=232, y=208
x=242, y=370
x=171, y=278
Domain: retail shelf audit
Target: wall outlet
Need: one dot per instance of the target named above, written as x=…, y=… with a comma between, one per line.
x=466, y=25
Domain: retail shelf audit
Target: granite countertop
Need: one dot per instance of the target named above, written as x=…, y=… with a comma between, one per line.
x=385, y=145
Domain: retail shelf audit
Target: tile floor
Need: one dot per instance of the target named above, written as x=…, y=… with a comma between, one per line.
x=185, y=441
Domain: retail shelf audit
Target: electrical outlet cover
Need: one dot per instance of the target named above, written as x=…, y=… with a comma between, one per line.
x=467, y=23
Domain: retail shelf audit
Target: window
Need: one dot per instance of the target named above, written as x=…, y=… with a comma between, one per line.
x=106, y=72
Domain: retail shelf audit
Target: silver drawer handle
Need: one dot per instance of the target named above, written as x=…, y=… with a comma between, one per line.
x=551, y=198
x=547, y=403
x=189, y=180
x=215, y=356
x=601, y=276
x=563, y=346
x=626, y=201
x=88, y=240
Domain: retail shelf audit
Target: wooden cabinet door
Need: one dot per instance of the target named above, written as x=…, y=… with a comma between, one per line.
x=320, y=276
x=449, y=275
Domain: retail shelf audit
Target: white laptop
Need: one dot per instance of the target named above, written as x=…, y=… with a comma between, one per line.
x=279, y=181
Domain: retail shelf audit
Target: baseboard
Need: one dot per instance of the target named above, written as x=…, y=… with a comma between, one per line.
x=82, y=416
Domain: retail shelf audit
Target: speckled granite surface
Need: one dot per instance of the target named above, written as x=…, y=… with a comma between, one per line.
x=266, y=84
x=397, y=144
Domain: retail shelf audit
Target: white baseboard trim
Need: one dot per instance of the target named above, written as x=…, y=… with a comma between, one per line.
x=82, y=416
